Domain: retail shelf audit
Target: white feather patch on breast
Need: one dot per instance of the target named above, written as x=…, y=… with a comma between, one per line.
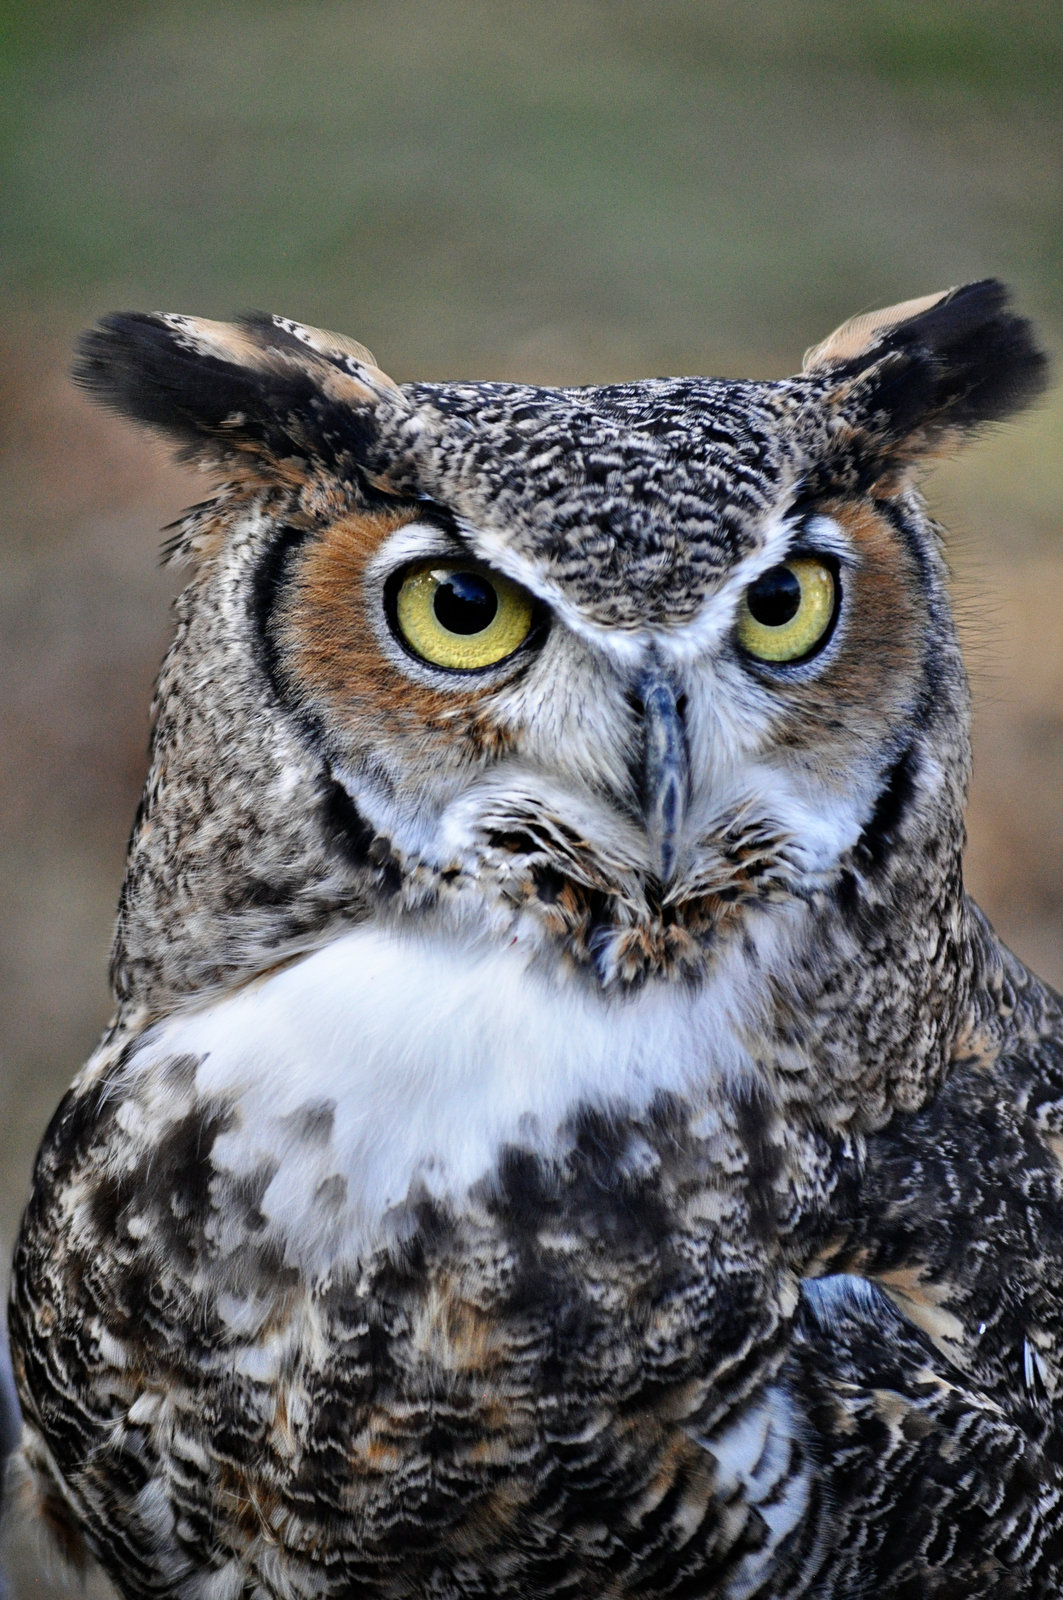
x=387, y=1062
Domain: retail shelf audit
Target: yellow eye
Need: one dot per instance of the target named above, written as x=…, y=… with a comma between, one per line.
x=789, y=610
x=461, y=617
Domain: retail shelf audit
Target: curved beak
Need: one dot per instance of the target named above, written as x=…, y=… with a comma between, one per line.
x=665, y=776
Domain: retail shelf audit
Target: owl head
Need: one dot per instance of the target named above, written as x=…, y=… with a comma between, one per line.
x=648, y=680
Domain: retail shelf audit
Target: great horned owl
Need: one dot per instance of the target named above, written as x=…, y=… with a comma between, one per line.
x=564, y=1130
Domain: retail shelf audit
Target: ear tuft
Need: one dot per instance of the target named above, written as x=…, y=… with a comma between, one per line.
x=261, y=393
x=931, y=368
x=863, y=332
x=281, y=333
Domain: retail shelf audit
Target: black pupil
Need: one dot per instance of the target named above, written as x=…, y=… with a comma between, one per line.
x=465, y=602
x=775, y=598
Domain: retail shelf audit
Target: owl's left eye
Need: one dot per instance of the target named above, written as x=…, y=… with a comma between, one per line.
x=789, y=612
x=459, y=616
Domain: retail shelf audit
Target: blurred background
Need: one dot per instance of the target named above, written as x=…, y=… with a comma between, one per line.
x=559, y=191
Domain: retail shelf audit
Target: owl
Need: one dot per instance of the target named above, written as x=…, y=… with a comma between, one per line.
x=564, y=1129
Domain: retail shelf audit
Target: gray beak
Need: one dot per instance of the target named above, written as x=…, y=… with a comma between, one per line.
x=665, y=764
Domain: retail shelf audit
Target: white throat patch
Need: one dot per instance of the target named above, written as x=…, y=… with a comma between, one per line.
x=422, y=1058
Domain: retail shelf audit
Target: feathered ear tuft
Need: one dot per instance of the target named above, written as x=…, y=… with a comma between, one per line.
x=265, y=395
x=916, y=375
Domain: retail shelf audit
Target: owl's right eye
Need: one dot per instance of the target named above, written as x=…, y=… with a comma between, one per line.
x=460, y=616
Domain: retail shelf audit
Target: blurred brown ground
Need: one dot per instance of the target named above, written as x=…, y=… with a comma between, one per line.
x=552, y=192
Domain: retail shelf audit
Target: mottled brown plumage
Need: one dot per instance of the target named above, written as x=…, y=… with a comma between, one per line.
x=564, y=1131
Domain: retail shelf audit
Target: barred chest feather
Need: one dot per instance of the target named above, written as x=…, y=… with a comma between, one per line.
x=364, y=1284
